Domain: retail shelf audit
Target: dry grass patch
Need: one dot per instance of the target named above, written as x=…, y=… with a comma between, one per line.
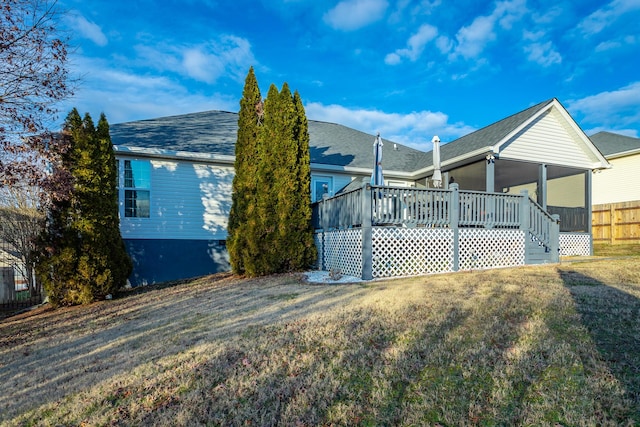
x=537, y=345
x=616, y=250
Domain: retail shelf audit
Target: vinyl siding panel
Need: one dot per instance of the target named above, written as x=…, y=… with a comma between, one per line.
x=189, y=201
x=549, y=139
x=621, y=183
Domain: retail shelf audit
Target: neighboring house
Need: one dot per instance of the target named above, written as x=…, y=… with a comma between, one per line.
x=621, y=182
x=176, y=177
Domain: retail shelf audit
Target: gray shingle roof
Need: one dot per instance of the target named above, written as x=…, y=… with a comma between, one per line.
x=611, y=144
x=215, y=132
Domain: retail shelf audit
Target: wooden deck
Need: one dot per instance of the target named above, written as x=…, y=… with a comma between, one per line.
x=454, y=212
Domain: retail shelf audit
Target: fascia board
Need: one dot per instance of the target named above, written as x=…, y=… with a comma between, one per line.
x=216, y=158
x=454, y=160
x=603, y=163
x=177, y=155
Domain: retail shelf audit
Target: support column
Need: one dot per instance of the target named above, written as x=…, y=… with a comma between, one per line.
x=490, y=180
x=324, y=222
x=367, y=235
x=542, y=186
x=554, y=239
x=589, y=207
x=524, y=222
x=454, y=218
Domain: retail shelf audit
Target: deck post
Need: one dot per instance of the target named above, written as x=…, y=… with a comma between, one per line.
x=454, y=219
x=324, y=222
x=367, y=244
x=524, y=222
x=554, y=238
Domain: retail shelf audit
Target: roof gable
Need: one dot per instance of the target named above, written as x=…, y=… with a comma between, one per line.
x=487, y=137
x=548, y=137
x=544, y=133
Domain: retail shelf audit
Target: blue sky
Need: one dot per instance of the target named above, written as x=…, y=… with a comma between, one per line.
x=407, y=69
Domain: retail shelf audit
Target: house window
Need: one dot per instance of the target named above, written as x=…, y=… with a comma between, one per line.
x=321, y=185
x=137, y=186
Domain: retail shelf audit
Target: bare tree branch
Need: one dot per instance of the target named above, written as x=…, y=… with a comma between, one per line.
x=33, y=78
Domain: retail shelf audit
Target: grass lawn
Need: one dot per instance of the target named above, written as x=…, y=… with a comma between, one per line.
x=616, y=250
x=551, y=345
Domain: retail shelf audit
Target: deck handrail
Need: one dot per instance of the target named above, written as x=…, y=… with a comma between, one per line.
x=343, y=210
x=430, y=207
x=490, y=210
x=542, y=224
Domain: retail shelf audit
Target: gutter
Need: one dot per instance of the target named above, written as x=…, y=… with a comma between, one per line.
x=176, y=155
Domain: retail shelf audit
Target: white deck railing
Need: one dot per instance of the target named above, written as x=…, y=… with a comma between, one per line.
x=413, y=207
x=378, y=206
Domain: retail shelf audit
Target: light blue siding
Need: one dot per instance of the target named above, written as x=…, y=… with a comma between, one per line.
x=189, y=201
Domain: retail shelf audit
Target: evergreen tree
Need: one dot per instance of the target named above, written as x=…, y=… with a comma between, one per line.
x=263, y=223
x=274, y=234
x=245, y=179
x=302, y=229
x=59, y=243
x=110, y=247
x=85, y=257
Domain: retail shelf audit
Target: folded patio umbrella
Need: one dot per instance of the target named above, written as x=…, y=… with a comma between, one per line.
x=376, y=176
x=437, y=175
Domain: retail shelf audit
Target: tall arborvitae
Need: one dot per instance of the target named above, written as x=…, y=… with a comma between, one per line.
x=273, y=233
x=111, y=244
x=84, y=257
x=291, y=205
x=245, y=179
x=262, y=254
x=302, y=229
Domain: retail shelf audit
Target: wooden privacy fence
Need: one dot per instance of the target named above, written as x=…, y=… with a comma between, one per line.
x=616, y=223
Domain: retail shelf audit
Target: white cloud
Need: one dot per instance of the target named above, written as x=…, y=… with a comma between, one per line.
x=474, y=38
x=349, y=15
x=607, y=46
x=207, y=62
x=444, y=44
x=607, y=15
x=124, y=95
x=89, y=30
x=544, y=54
x=415, y=45
x=414, y=129
x=392, y=59
x=614, y=109
x=411, y=10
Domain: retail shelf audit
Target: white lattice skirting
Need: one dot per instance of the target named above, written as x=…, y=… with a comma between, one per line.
x=399, y=252
x=411, y=251
x=578, y=244
x=482, y=249
x=342, y=251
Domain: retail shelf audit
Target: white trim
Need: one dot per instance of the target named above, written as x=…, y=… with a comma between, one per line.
x=623, y=154
x=174, y=155
x=455, y=160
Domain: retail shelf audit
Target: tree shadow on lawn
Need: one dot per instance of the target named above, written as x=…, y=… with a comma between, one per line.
x=612, y=317
x=59, y=353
